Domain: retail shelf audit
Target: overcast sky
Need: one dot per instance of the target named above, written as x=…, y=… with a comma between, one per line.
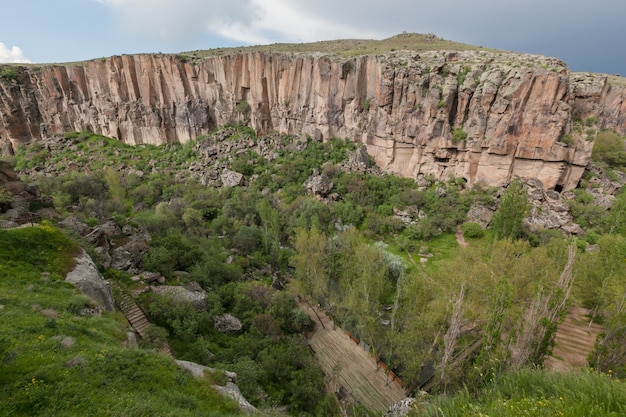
x=588, y=35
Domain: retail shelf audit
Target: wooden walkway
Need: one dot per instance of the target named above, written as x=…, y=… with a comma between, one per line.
x=348, y=367
x=135, y=316
x=574, y=341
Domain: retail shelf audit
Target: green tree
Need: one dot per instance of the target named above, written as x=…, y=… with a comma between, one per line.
x=310, y=246
x=609, y=148
x=366, y=293
x=270, y=228
x=514, y=206
x=117, y=191
x=615, y=221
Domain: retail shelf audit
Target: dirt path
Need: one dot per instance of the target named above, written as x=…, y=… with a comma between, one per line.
x=349, y=367
x=574, y=340
x=460, y=238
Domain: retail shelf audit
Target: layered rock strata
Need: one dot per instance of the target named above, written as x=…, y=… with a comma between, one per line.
x=479, y=115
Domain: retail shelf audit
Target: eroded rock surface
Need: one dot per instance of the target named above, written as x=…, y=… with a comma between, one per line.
x=230, y=389
x=484, y=116
x=87, y=279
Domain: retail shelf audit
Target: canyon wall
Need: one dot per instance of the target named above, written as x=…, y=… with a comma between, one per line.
x=479, y=115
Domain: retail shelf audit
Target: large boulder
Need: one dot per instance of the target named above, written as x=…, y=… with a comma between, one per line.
x=230, y=389
x=75, y=226
x=195, y=296
x=481, y=214
x=401, y=408
x=231, y=178
x=319, y=184
x=7, y=174
x=87, y=279
x=227, y=323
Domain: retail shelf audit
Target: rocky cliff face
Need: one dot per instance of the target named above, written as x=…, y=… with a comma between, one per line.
x=475, y=114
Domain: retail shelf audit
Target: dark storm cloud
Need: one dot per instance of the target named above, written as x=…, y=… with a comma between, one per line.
x=584, y=34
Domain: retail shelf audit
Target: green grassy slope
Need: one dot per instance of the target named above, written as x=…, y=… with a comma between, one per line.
x=351, y=47
x=536, y=393
x=55, y=361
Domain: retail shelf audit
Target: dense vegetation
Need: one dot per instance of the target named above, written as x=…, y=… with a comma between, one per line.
x=454, y=322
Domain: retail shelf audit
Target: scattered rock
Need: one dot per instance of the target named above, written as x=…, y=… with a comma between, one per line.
x=129, y=255
x=103, y=256
x=110, y=228
x=131, y=340
x=360, y=157
x=8, y=224
x=150, y=277
x=77, y=361
x=68, y=342
x=50, y=313
x=401, y=408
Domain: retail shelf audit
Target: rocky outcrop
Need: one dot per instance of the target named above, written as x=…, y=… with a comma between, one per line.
x=402, y=408
x=87, y=279
x=484, y=116
x=319, y=184
x=230, y=390
x=548, y=210
x=17, y=199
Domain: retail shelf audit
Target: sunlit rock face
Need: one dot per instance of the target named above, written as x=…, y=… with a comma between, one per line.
x=478, y=115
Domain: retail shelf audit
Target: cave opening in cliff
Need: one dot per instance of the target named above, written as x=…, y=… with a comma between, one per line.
x=558, y=188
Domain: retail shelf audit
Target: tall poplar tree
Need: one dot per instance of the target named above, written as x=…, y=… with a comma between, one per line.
x=514, y=206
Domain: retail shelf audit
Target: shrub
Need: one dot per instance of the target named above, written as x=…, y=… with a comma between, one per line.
x=472, y=230
x=460, y=78
x=243, y=106
x=609, y=148
x=458, y=135
x=366, y=105
x=567, y=139
x=9, y=74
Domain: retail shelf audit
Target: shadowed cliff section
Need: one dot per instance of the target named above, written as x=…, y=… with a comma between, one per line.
x=481, y=115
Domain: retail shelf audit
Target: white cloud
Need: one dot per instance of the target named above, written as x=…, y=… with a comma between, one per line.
x=11, y=56
x=288, y=21
x=246, y=21
x=179, y=21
